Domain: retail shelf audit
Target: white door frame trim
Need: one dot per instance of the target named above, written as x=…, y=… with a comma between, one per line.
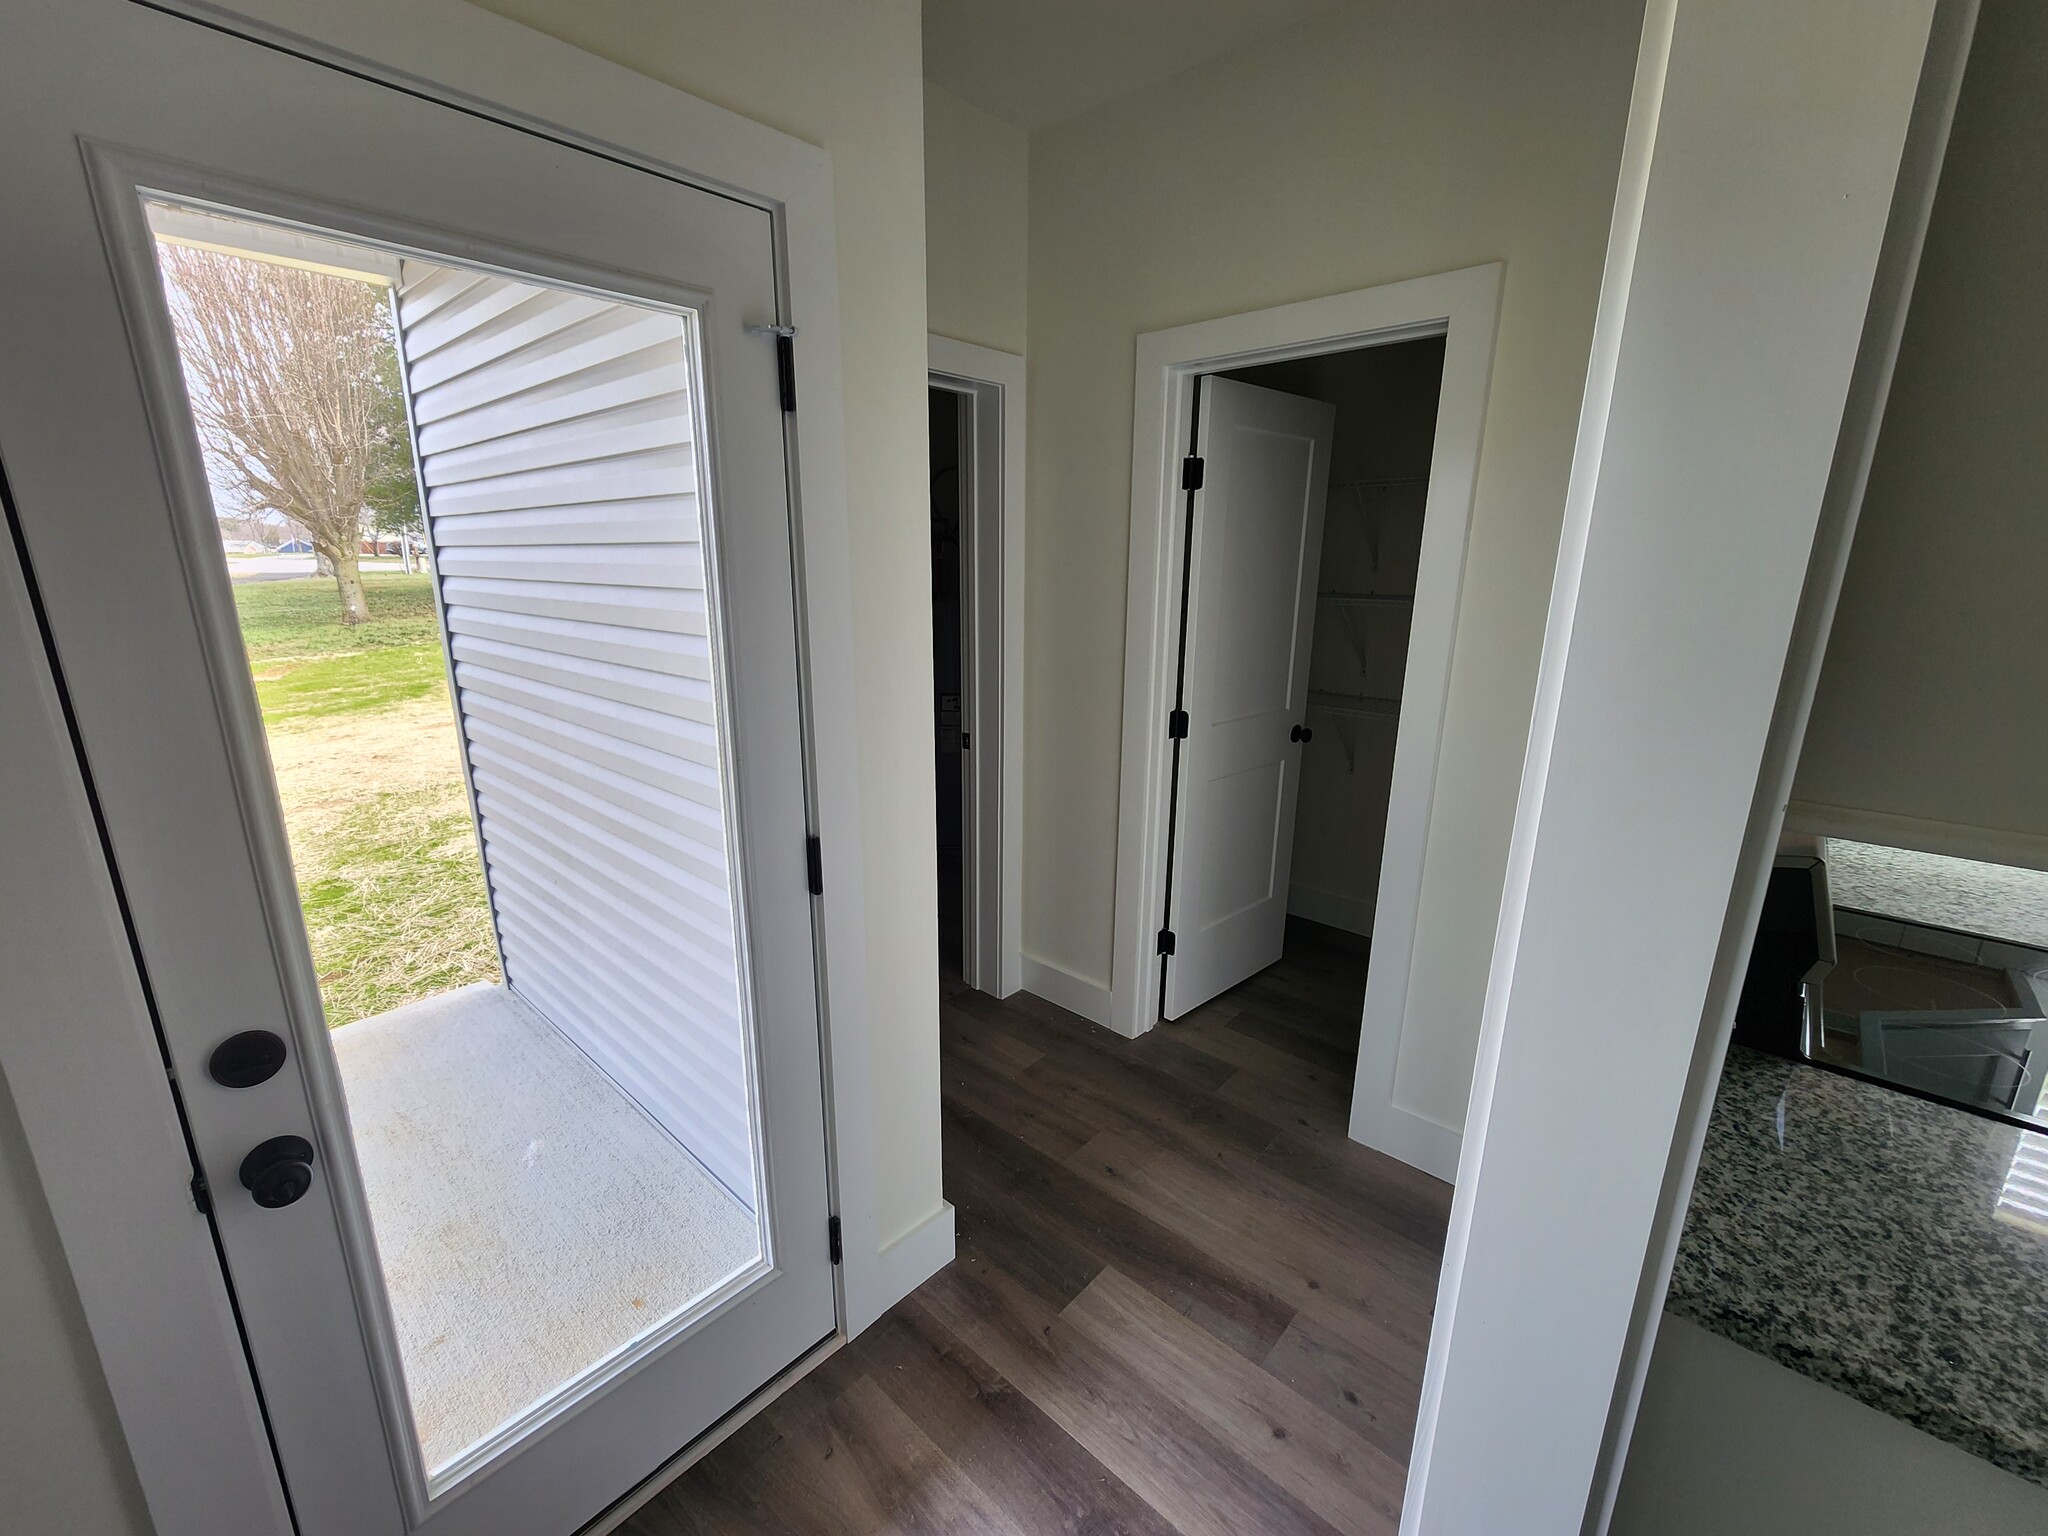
x=1463, y=306
x=993, y=508
x=164, y=1331
x=1757, y=176
x=1773, y=811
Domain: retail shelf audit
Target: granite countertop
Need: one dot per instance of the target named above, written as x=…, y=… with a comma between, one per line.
x=1998, y=901
x=1893, y=1248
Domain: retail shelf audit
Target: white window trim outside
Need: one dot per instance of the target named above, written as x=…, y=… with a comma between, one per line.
x=102, y=1131
x=1462, y=306
x=994, y=505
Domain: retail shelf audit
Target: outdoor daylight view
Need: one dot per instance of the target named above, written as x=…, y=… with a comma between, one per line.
x=293, y=377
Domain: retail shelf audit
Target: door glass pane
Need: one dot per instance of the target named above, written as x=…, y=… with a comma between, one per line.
x=463, y=519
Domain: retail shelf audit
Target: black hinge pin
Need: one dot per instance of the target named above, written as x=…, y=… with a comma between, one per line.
x=1166, y=941
x=1177, y=725
x=832, y=1236
x=1191, y=469
x=785, y=359
x=202, y=1194
x=814, y=864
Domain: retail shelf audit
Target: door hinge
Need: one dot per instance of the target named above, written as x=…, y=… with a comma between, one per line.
x=814, y=864
x=1177, y=725
x=832, y=1236
x=202, y=1195
x=1166, y=941
x=1191, y=469
x=785, y=368
x=785, y=359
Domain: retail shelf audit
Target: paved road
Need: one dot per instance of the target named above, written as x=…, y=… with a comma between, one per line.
x=289, y=567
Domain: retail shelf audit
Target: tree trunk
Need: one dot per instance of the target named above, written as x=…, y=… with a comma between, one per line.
x=348, y=580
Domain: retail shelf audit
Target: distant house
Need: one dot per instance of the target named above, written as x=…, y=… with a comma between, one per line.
x=296, y=547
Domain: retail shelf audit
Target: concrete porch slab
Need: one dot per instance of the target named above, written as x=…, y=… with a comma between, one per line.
x=531, y=1219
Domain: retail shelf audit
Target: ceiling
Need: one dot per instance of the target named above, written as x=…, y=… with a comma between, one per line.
x=1036, y=62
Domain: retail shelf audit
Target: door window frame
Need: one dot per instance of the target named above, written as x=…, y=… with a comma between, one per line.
x=93, y=1098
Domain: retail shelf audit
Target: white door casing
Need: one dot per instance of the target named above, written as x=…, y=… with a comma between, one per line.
x=1255, y=542
x=1462, y=306
x=167, y=720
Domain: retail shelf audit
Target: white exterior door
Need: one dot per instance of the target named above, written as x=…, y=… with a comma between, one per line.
x=501, y=1247
x=1255, y=538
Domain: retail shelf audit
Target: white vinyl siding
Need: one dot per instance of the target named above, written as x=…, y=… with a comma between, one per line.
x=555, y=434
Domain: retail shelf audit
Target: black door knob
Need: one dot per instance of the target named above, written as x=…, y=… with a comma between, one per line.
x=1301, y=733
x=279, y=1171
x=244, y=1060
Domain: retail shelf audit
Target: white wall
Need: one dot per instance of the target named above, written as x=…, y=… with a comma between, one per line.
x=1929, y=699
x=63, y=1463
x=1376, y=142
x=976, y=211
x=845, y=75
x=1729, y=1441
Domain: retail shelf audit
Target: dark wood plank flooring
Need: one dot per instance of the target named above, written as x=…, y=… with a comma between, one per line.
x=1184, y=1302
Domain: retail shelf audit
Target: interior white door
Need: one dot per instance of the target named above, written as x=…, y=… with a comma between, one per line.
x=1255, y=537
x=613, y=583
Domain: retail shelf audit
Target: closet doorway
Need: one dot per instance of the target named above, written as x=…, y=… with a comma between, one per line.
x=1304, y=539
x=1302, y=492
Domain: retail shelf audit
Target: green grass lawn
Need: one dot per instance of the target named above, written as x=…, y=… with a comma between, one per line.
x=363, y=742
x=308, y=663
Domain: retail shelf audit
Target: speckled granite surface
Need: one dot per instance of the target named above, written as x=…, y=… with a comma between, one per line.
x=1892, y=1248
x=1996, y=900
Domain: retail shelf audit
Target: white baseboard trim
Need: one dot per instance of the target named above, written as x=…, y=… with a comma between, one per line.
x=913, y=1258
x=1089, y=999
x=1408, y=1137
x=1989, y=845
x=1333, y=909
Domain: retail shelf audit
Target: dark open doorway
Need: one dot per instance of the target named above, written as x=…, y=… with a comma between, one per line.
x=948, y=412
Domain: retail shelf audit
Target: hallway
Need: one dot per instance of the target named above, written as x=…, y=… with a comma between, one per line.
x=1184, y=1301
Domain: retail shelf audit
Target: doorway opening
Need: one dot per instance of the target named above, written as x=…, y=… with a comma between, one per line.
x=1228, y=701
x=1305, y=505
x=976, y=429
x=950, y=415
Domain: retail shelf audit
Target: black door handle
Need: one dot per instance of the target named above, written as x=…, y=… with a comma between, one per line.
x=278, y=1171
x=1301, y=733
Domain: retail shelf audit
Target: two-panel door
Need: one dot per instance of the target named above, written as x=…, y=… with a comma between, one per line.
x=1255, y=535
x=407, y=494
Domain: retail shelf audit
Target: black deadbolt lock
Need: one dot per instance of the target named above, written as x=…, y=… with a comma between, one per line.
x=1301, y=733
x=279, y=1171
x=244, y=1060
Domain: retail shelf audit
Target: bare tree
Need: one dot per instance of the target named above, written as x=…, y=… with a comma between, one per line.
x=285, y=368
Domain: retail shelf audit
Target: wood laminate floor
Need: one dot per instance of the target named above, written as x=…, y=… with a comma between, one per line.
x=1184, y=1302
